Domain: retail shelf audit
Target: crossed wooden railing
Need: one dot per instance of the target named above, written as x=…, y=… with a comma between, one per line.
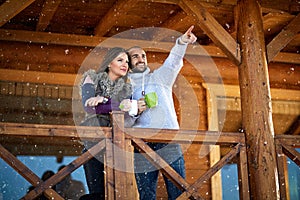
x=285, y=147
x=117, y=141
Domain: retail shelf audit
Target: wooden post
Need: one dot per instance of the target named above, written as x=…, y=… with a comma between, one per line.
x=256, y=103
x=122, y=159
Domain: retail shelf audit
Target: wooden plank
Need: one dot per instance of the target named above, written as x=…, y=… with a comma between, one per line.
x=109, y=171
x=213, y=29
x=24, y=171
x=292, y=140
x=93, y=41
x=162, y=1
x=283, y=38
x=223, y=161
x=185, y=136
x=11, y=8
x=132, y=192
x=82, y=132
x=216, y=179
x=122, y=189
x=274, y=21
x=38, y=77
x=294, y=127
x=50, y=38
x=291, y=153
x=30, y=103
x=214, y=154
x=163, y=166
x=285, y=57
x=60, y=175
x=243, y=179
x=255, y=101
x=51, y=194
x=38, y=90
x=171, y=23
x=281, y=162
x=111, y=18
x=75, y=132
x=49, y=9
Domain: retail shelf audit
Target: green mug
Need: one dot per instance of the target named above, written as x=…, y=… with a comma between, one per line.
x=151, y=99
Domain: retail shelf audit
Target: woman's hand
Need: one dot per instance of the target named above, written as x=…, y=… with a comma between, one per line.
x=94, y=101
x=125, y=105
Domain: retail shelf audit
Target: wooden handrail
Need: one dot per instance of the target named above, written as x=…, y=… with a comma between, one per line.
x=124, y=137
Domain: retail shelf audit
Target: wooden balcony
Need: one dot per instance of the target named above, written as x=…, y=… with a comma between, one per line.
x=120, y=183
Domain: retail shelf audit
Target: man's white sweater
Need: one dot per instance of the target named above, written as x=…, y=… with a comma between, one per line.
x=161, y=81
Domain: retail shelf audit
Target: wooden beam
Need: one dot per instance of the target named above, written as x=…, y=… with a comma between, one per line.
x=174, y=2
x=282, y=172
x=49, y=9
x=24, y=171
x=88, y=133
x=284, y=57
x=214, y=154
x=294, y=129
x=28, y=89
x=296, y=40
x=213, y=29
x=283, y=38
x=243, y=173
x=280, y=75
x=291, y=140
x=164, y=167
x=61, y=174
x=171, y=23
x=50, y=38
x=122, y=159
x=93, y=41
x=88, y=41
x=292, y=153
x=110, y=20
x=208, y=174
x=38, y=77
x=37, y=106
x=11, y=8
x=256, y=103
x=179, y=136
x=275, y=21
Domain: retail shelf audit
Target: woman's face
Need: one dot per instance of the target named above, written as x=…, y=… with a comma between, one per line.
x=118, y=67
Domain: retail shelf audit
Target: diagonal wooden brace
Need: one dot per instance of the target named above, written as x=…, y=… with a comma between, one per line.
x=59, y=176
x=164, y=167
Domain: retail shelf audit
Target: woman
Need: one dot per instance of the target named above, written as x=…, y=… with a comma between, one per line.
x=102, y=91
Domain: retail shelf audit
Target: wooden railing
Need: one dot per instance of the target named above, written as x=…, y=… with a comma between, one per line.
x=117, y=141
x=285, y=147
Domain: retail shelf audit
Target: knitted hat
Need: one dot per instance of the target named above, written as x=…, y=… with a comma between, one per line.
x=109, y=57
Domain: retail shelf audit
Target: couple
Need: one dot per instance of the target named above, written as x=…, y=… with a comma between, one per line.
x=112, y=87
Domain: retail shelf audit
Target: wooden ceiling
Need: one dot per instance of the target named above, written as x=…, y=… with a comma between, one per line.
x=106, y=18
x=85, y=23
x=43, y=44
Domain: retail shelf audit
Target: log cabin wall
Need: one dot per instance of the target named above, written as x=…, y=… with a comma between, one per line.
x=44, y=44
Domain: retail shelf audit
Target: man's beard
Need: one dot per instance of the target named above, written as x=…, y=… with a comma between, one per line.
x=138, y=70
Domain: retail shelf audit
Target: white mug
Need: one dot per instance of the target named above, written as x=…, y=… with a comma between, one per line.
x=134, y=108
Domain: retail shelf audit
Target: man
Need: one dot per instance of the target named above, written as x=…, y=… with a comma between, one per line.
x=162, y=116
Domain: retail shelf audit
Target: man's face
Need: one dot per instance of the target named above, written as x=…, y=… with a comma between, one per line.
x=138, y=59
